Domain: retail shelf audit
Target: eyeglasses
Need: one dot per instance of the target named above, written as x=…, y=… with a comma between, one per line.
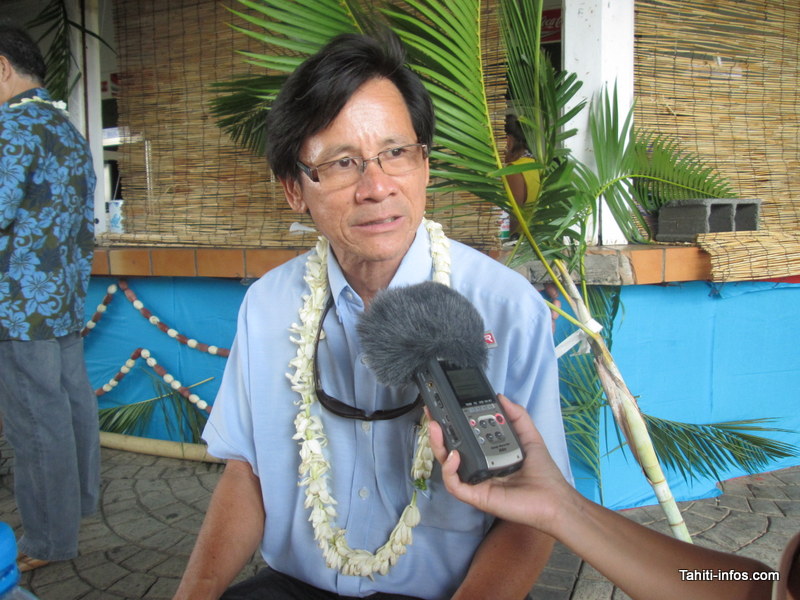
x=347, y=170
x=341, y=409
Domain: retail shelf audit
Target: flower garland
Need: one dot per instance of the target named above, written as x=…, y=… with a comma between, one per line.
x=59, y=104
x=314, y=467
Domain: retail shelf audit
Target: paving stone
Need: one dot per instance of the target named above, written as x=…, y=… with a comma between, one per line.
x=790, y=508
x=765, y=507
x=770, y=492
x=732, y=502
x=593, y=589
x=151, y=509
x=134, y=585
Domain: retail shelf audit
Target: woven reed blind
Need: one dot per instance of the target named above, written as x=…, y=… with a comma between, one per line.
x=724, y=77
x=185, y=182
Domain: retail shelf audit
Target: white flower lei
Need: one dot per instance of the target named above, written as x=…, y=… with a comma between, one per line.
x=59, y=104
x=314, y=468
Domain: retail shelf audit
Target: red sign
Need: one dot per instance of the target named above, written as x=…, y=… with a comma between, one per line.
x=551, y=25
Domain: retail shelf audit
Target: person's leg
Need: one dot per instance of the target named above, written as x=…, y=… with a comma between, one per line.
x=85, y=425
x=38, y=423
x=269, y=584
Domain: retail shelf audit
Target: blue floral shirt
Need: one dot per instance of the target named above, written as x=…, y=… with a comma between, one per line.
x=46, y=220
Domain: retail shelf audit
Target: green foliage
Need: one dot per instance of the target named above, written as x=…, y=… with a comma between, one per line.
x=445, y=49
x=582, y=395
x=291, y=31
x=635, y=172
x=57, y=26
x=707, y=450
x=183, y=420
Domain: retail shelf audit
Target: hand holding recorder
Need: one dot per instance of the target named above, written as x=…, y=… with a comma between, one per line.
x=642, y=562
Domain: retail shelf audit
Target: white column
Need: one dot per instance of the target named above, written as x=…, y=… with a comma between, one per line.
x=598, y=47
x=85, y=103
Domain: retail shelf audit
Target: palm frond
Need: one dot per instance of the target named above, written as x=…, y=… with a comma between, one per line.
x=707, y=450
x=290, y=31
x=664, y=171
x=444, y=46
x=638, y=172
x=59, y=58
x=581, y=402
x=181, y=419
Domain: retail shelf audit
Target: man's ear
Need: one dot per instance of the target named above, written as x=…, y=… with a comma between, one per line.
x=294, y=194
x=5, y=68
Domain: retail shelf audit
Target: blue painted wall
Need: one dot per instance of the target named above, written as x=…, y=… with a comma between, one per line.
x=691, y=352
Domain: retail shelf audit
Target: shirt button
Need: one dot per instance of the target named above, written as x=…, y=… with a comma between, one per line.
x=364, y=493
x=366, y=426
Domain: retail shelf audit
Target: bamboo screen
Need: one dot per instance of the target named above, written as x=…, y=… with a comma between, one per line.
x=724, y=77
x=184, y=181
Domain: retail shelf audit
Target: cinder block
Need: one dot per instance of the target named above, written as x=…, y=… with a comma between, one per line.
x=682, y=220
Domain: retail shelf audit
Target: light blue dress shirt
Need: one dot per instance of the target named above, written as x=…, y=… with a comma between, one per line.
x=253, y=416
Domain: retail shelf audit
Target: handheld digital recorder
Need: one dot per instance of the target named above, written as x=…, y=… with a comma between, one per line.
x=462, y=401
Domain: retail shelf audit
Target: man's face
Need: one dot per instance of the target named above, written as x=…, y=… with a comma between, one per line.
x=375, y=218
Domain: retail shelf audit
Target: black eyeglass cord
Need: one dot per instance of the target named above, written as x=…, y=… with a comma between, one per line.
x=339, y=408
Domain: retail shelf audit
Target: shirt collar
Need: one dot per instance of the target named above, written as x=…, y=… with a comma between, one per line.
x=416, y=267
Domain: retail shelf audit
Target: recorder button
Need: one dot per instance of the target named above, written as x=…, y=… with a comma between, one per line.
x=500, y=419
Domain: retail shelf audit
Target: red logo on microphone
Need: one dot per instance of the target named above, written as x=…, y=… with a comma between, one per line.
x=490, y=340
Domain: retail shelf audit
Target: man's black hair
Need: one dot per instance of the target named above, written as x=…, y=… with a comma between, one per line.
x=318, y=89
x=22, y=52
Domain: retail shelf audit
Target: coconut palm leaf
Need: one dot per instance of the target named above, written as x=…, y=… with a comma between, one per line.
x=290, y=31
x=59, y=59
x=445, y=47
x=582, y=393
x=639, y=172
x=707, y=450
x=182, y=420
x=669, y=172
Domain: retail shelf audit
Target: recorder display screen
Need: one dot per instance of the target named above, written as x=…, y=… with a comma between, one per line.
x=467, y=384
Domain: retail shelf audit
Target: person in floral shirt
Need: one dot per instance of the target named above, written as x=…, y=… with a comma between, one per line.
x=47, y=185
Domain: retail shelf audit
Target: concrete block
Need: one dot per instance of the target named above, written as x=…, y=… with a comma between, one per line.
x=682, y=220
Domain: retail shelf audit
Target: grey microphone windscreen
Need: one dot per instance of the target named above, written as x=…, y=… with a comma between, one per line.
x=405, y=327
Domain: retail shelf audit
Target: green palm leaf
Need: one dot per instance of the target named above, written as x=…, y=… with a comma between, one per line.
x=182, y=420
x=57, y=28
x=638, y=172
x=707, y=450
x=290, y=31
x=445, y=48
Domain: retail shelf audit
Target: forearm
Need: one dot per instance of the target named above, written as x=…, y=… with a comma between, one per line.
x=231, y=532
x=507, y=563
x=648, y=564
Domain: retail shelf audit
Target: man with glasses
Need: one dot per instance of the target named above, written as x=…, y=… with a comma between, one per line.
x=327, y=470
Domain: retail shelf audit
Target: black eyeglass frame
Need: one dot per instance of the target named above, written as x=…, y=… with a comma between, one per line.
x=312, y=172
x=339, y=408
